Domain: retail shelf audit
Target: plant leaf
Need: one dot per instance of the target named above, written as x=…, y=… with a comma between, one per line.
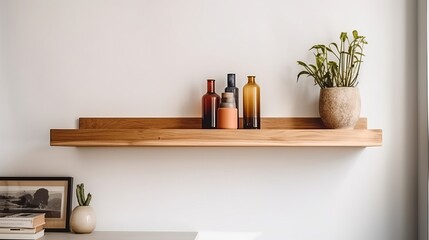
x=343, y=36
x=302, y=63
x=301, y=73
x=355, y=34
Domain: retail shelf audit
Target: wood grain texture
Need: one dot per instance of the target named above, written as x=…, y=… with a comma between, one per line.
x=179, y=132
x=195, y=123
x=215, y=137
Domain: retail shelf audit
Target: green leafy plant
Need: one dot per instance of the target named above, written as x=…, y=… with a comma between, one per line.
x=343, y=70
x=80, y=194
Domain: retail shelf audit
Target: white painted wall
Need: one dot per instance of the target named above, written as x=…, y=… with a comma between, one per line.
x=61, y=60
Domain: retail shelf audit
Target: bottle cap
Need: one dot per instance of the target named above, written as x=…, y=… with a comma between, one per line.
x=228, y=100
x=227, y=95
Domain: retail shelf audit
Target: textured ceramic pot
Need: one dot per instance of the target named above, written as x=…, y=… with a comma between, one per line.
x=339, y=107
x=82, y=219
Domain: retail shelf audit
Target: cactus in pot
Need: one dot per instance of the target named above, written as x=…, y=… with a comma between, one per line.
x=82, y=219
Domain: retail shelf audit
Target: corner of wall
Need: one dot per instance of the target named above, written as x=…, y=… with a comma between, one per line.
x=423, y=133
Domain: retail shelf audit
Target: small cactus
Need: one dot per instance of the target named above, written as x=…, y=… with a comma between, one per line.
x=80, y=194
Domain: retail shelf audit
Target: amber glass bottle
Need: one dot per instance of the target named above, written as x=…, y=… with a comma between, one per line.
x=210, y=104
x=251, y=104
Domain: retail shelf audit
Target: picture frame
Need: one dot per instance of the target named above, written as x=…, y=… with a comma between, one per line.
x=49, y=195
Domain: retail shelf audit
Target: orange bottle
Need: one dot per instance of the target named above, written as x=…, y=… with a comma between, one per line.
x=227, y=112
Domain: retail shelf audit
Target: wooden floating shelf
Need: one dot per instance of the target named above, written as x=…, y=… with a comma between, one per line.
x=181, y=132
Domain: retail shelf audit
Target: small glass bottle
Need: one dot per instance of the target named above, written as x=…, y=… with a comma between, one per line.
x=251, y=104
x=227, y=112
x=210, y=104
x=232, y=88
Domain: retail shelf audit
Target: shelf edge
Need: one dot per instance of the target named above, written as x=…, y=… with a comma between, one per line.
x=216, y=138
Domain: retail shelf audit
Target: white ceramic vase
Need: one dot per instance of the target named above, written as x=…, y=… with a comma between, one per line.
x=83, y=219
x=339, y=107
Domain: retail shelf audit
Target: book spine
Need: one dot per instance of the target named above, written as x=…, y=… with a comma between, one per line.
x=22, y=236
x=21, y=224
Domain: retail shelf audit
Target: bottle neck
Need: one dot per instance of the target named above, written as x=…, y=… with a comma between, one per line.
x=251, y=79
x=211, y=86
x=231, y=80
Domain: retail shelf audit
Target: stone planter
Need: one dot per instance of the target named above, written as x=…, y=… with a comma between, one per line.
x=82, y=219
x=339, y=107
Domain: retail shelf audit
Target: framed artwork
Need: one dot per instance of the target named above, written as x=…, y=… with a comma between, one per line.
x=49, y=195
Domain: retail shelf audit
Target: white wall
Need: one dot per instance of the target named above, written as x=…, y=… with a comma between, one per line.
x=62, y=60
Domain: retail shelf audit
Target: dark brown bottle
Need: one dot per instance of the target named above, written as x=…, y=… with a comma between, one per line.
x=251, y=104
x=210, y=104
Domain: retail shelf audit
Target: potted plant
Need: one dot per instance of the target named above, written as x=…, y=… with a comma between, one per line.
x=336, y=71
x=82, y=219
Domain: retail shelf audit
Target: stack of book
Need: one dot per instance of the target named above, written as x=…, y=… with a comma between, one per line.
x=22, y=225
